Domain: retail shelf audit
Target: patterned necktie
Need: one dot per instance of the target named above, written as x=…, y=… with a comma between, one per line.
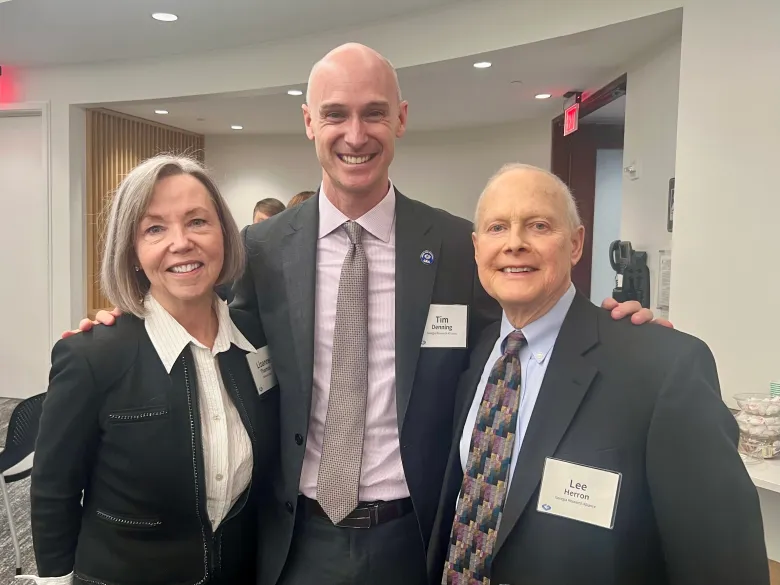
x=338, y=480
x=485, y=481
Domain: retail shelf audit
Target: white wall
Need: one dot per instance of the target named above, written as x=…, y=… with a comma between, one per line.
x=249, y=168
x=606, y=221
x=444, y=169
x=458, y=30
x=650, y=142
x=725, y=269
x=24, y=241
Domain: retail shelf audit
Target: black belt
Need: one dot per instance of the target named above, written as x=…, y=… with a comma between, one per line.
x=366, y=515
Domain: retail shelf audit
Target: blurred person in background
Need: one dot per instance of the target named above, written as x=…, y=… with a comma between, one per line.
x=300, y=198
x=266, y=208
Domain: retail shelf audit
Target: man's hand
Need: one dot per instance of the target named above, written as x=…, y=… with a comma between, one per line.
x=639, y=316
x=102, y=318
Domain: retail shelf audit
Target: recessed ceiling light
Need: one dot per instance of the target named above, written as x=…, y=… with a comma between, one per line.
x=236, y=127
x=294, y=92
x=542, y=96
x=161, y=112
x=482, y=64
x=165, y=16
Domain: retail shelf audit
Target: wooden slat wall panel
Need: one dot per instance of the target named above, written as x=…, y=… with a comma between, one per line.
x=115, y=144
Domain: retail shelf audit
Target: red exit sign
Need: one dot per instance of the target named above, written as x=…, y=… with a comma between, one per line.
x=571, y=119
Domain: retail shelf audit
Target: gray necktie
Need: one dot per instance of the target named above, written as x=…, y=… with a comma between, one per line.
x=342, y=446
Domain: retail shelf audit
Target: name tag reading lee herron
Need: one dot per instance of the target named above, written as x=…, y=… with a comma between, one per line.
x=579, y=493
x=262, y=370
x=447, y=326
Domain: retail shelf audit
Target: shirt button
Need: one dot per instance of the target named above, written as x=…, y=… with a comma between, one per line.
x=217, y=417
x=540, y=356
x=299, y=439
x=220, y=477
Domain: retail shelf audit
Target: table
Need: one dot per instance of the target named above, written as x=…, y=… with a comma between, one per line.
x=766, y=477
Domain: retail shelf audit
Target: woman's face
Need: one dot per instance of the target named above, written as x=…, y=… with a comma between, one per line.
x=179, y=242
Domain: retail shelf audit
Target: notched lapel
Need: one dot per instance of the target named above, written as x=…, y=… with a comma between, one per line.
x=565, y=384
x=469, y=385
x=414, y=280
x=299, y=258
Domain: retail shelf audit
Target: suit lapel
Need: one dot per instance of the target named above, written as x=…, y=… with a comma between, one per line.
x=299, y=259
x=471, y=378
x=240, y=386
x=565, y=384
x=414, y=281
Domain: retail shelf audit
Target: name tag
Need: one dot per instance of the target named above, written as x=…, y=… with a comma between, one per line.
x=579, y=493
x=262, y=370
x=447, y=326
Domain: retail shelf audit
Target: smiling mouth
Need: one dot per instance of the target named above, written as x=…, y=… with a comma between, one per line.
x=185, y=268
x=351, y=159
x=513, y=270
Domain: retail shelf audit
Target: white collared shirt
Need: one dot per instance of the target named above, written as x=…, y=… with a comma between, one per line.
x=534, y=358
x=382, y=475
x=227, y=448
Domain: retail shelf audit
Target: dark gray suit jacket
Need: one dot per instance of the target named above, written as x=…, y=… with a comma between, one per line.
x=643, y=401
x=279, y=287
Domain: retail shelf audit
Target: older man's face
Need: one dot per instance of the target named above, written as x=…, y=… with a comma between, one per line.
x=524, y=245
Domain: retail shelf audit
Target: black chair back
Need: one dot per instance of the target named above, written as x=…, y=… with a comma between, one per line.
x=22, y=431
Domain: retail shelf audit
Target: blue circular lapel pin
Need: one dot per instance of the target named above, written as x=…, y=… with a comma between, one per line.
x=426, y=257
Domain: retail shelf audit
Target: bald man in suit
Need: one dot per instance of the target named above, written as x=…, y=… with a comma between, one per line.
x=585, y=450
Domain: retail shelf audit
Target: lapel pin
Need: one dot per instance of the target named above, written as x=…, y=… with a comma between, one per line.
x=426, y=257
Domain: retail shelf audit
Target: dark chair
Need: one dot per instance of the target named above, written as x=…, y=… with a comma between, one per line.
x=16, y=459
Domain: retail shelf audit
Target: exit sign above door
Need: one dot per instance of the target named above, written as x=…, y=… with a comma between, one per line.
x=571, y=119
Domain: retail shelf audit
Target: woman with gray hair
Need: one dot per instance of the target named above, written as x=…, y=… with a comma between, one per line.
x=158, y=434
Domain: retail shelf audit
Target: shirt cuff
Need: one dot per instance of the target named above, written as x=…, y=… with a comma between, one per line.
x=66, y=580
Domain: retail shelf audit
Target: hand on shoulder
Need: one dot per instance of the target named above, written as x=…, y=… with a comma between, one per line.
x=102, y=318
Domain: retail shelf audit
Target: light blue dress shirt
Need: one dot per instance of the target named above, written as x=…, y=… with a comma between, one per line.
x=534, y=357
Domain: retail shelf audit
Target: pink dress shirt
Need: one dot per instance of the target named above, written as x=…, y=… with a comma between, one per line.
x=382, y=475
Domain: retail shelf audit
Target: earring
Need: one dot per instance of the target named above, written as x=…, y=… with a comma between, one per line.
x=136, y=268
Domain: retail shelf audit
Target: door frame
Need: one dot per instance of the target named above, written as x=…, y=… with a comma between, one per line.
x=561, y=151
x=42, y=110
x=598, y=99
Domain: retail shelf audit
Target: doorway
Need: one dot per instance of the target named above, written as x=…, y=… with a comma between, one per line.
x=586, y=161
x=24, y=355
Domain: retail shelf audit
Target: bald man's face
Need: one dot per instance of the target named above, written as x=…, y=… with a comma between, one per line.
x=523, y=244
x=354, y=118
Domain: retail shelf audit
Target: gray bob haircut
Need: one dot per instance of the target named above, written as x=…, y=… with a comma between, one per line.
x=571, y=204
x=120, y=282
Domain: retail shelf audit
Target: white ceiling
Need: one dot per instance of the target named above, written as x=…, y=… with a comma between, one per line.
x=449, y=94
x=56, y=32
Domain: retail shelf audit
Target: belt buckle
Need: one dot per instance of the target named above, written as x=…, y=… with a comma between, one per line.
x=373, y=514
x=371, y=517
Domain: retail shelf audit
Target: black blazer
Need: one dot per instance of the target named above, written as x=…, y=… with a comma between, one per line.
x=643, y=401
x=118, y=427
x=279, y=287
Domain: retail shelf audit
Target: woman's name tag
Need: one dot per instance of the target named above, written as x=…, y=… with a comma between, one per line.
x=262, y=370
